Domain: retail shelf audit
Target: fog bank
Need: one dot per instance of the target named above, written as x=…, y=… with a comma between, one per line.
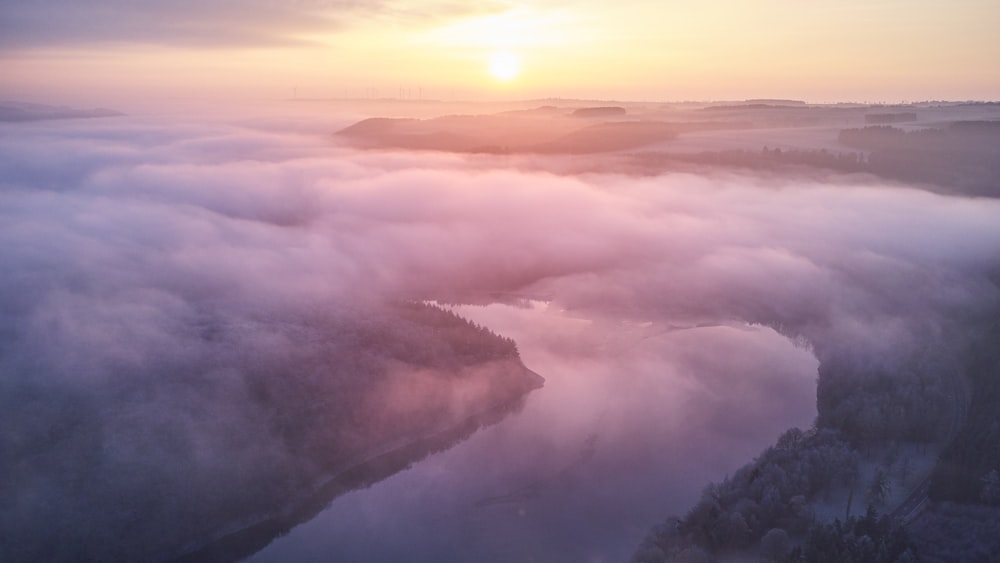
x=124, y=242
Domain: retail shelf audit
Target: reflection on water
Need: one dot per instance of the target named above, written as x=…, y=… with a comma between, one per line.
x=535, y=488
x=634, y=419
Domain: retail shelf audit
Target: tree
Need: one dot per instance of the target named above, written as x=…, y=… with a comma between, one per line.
x=905, y=470
x=990, y=493
x=775, y=545
x=868, y=538
x=878, y=490
x=791, y=439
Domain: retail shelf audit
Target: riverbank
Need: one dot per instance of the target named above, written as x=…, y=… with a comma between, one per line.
x=256, y=533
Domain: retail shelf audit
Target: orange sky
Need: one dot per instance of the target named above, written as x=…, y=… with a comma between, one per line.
x=850, y=50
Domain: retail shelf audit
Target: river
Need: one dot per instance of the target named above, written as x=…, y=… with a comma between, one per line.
x=635, y=418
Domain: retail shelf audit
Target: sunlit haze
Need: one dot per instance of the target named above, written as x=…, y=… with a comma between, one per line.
x=852, y=50
x=504, y=65
x=438, y=281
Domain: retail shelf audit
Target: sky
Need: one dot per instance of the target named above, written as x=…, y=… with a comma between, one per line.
x=107, y=51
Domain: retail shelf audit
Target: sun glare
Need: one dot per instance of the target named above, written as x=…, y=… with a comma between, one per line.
x=504, y=66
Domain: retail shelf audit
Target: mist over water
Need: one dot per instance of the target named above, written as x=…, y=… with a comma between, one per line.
x=631, y=423
x=678, y=318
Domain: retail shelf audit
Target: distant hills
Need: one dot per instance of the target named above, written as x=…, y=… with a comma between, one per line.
x=546, y=130
x=23, y=111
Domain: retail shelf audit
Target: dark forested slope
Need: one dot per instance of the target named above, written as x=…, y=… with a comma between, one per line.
x=865, y=412
x=181, y=449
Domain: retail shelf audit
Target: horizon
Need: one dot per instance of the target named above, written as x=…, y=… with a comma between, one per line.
x=427, y=108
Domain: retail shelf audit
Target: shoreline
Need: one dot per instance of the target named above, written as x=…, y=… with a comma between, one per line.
x=249, y=538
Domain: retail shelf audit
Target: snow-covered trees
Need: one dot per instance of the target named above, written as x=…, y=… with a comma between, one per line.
x=878, y=490
x=869, y=538
x=772, y=492
x=776, y=545
x=874, y=408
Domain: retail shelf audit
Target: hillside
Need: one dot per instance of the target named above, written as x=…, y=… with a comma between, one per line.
x=241, y=435
x=544, y=130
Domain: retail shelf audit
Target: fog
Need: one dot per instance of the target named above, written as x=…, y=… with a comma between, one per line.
x=679, y=317
x=631, y=422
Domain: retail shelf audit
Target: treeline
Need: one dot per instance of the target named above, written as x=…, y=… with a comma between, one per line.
x=457, y=339
x=961, y=136
x=767, y=159
x=963, y=158
x=776, y=157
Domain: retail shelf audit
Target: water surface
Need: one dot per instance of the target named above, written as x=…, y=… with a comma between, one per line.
x=634, y=419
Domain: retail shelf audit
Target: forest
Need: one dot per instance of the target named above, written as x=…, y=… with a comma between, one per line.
x=206, y=445
x=863, y=419
x=943, y=398
x=960, y=158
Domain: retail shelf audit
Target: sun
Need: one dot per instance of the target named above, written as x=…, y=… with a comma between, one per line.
x=504, y=66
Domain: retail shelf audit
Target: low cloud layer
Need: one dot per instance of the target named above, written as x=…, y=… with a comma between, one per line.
x=121, y=239
x=133, y=223
x=248, y=212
